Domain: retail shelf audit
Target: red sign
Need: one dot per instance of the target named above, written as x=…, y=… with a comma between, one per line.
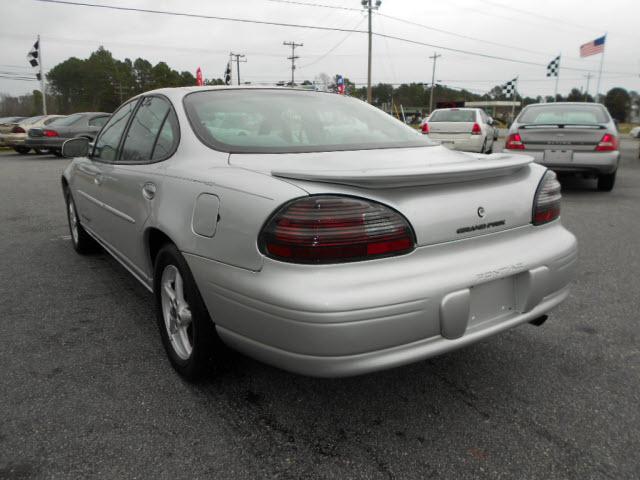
x=199, y=80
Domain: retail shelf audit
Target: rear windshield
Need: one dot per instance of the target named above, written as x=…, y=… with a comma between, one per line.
x=453, y=116
x=70, y=120
x=564, y=115
x=283, y=121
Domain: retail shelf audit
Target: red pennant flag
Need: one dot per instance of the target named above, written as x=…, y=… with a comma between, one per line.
x=199, y=81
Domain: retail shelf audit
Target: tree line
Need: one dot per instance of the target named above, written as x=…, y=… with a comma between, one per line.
x=101, y=83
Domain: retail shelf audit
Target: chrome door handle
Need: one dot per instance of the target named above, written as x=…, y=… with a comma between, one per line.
x=149, y=191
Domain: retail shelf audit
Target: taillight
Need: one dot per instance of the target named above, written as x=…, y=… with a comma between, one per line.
x=50, y=133
x=425, y=127
x=609, y=143
x=17, y=129
x=546, y=204
x=333, y=229
x=475, y=130
x=514, y=142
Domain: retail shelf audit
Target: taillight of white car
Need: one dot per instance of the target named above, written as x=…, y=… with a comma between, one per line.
x=546, y=204
x=335, y=229
x=475, y=130
x=608, y=143
x=514, y=142
x=425, y=128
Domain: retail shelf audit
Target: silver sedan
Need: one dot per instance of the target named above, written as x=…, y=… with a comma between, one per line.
x=313, y=231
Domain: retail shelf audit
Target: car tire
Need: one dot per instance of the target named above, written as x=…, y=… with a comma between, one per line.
x=606, y=182
x=22, y=150
x=37, y=151
x=187, y=331
x=484, y=147
x=82, y=242
x=56, y=152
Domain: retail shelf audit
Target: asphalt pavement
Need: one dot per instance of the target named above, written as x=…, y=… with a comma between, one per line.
x=86, y=390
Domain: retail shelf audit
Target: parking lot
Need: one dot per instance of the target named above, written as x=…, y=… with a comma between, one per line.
x=87, y=390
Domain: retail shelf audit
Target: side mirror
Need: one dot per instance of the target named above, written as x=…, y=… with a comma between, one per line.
x=75, y=147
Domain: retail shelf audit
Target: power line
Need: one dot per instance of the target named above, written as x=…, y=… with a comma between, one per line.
x=331, y=50
x=316, y=27
x=336, y=7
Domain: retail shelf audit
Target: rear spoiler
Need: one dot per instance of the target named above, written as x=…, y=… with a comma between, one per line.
x=476, y=168
x=561, y=125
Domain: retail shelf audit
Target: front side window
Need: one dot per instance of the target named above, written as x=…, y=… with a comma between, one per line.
x=145, y=127
x=283, y=121
x=106, y=147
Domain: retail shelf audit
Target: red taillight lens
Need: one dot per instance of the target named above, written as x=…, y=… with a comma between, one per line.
x=514, y=142
x=17, y=129
x=609, y=143
x=546, y=204
x=475, y=130
x=50, y=133
x=333, y=229
x=425, y=127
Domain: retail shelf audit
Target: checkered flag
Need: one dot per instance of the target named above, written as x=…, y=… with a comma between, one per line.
x=509, y=88
x=553, y=67
x=227, y=74
x=33, y=54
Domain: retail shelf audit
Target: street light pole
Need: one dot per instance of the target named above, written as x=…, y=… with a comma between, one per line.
x=238, y=56
x=369, y=6
x=586, y=95
x=293, y=57
x=433, y=80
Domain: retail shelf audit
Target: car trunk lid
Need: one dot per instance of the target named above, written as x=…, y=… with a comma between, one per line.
x=445, y=195
x=561, y=137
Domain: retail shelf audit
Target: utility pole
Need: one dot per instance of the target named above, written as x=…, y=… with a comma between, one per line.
x=586, y=94
x=238, y=56
x=41, y=75
x=293, y=58
x=435, y=56
x=369, y=6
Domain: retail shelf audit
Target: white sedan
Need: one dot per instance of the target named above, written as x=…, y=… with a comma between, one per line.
x=466, y=129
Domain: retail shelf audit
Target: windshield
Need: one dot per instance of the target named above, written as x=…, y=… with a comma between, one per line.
x=564, y=115
x=454, y=115
x=282, y=121
x=68, y=121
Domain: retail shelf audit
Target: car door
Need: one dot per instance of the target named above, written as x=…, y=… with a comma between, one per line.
x=129, y=183
x=89, y=171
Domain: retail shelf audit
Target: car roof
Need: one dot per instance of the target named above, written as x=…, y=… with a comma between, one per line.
x=176, y=93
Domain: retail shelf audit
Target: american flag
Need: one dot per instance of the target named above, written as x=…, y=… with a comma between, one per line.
x=594, y=47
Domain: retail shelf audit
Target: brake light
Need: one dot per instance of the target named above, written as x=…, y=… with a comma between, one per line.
x=17, y=129
x=514, y=142
x=609, y=143
x=425, y=127
x=333, y=229
x=50, y=133
x=546, y=204
x=475, y=130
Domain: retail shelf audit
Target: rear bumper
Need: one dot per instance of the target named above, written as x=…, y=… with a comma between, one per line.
x=45, y=142
x=588, y=162
x=349, y=319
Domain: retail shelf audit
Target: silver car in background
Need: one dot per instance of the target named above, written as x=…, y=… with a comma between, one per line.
x=51, y=138
x=14, y=134
x=569, y=138
x=466, y=129
x=313, y=231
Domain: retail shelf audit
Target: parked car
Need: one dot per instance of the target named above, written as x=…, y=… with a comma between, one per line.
x=318, y=234
x=86, y=125
x=635, y=132
x=569, y=137
x=467, y=129
x=16, y=137
x=6, y=124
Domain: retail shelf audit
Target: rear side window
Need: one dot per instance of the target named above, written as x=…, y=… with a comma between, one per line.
x=70, y=120
x=49, y=121
x=167, y=138
x=563, y=115
x=453, y=116
x=98, y=121
x=106, y=147
x=146, y=127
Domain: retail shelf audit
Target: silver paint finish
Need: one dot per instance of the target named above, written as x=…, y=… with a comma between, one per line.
x=330, y=319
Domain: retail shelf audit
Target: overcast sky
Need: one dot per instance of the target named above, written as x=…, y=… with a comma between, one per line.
x=529, y=30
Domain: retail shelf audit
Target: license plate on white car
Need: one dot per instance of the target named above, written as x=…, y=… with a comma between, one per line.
x=558, y=156
x=492, y=300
